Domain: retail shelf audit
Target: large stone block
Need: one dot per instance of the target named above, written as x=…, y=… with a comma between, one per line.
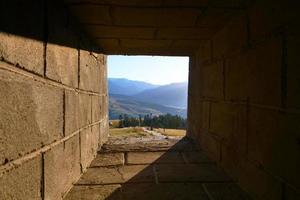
x=273, y=141
x=97, y=107
x=28, y=119
x=22, y=34
x=231, y=39
x=85, y=110
x=62, y=64
x=71, y=112
x=89, y=71
x=23, y=182
x=104, y=131
x=211, y=145
x=229, y=121
x=89, y=146
x=293, y=72
x=211, y=79
x=259, y=184
x=62, y=168
x=24, y=52
x=256, y=71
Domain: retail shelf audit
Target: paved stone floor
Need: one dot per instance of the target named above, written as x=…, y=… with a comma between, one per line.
x=160, y=169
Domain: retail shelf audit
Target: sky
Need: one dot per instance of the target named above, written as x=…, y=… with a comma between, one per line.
x=158, y=70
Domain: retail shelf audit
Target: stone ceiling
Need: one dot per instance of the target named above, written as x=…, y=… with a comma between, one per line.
x=152, y=27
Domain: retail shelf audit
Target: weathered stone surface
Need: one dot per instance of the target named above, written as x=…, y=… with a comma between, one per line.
x=71, y=112
x=28, y=119
x=62, y=64
x=163, y=191
x=226, y=191
x=103, y=175
x=211, y=145
x=96, y=192
x=104, y=131
x=232, y=38
x=62, y=168
x=23, y=182
x=273, y=136
x=97, y=108
x=108, y=159
x=196, y=157
x=85, y=109
x=211, y=78
x=96, y=132
x=89, y=72
x=259, y=184
x=154, y=157
x=190, y=172
x=89, y=146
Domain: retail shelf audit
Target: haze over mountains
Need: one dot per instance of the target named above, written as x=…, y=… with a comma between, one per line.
x=140, y=98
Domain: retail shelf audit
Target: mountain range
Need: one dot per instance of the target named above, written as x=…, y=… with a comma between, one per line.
x=136, y=98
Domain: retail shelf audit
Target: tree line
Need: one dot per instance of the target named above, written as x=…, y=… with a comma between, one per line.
x=160, y=121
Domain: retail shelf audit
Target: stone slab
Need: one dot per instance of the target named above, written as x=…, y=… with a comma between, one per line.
x=99, y=192
x=154, y=157
x=168, y=191
x=23, y=182
x=116, y=175
x=108, y=159
x=196, y=157
x=226, y=191
x=190, y=173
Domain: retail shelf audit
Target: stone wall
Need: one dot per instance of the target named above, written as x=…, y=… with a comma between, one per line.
x=244, y=99
x=53, y=102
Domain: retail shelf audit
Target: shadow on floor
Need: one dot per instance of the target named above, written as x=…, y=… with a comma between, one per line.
x=167, y=169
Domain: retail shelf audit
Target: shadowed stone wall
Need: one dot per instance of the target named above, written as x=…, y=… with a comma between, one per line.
x=53, y=101
x=244, y=99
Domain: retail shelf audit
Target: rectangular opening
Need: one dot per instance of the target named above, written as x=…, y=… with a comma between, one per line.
x=148, y=96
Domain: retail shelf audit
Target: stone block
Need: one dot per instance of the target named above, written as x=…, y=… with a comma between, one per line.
x=91, y=13
x=211, y=78
x=89, y=146
x=24, y=52
x=293, y=72
x=163, y=191
x=62, y=168
x=62, y=64
x=231, y=39
x=108, y=159
x=204, y=53
x=251, y=74
x=175, y=17
x=28, y=119
x=210, y=144
x=116, y=175
x=89, y=72
x=96, y=132
x=190, y=173
x=85, y=110
x=104, y=131
x=229, y=122
x=259, y=184
x=96, y=108
x=71, y=112
x=196, y=157
x=226, y=191
x=273, y=141
x=23, y=182
x=95, y=192
x=154, y=157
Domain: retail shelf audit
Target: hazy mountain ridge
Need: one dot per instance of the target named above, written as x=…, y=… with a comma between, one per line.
x=128, y=87
x=140, y=98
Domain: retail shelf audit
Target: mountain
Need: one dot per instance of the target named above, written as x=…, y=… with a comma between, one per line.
x=122, y=104
x=172, y=95
x=127, y=87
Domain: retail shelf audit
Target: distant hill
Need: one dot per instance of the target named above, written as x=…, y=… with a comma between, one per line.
x=127, y=87
x=172, y=95
x=121, y=104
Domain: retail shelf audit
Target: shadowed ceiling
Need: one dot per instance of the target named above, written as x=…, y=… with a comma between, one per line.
x=152, y=27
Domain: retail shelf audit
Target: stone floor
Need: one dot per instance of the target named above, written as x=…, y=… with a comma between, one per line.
x=142, y=169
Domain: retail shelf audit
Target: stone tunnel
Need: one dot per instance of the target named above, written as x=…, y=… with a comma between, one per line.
x=243, y=99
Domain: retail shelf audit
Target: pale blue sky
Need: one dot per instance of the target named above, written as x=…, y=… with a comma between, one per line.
x=153, y=69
